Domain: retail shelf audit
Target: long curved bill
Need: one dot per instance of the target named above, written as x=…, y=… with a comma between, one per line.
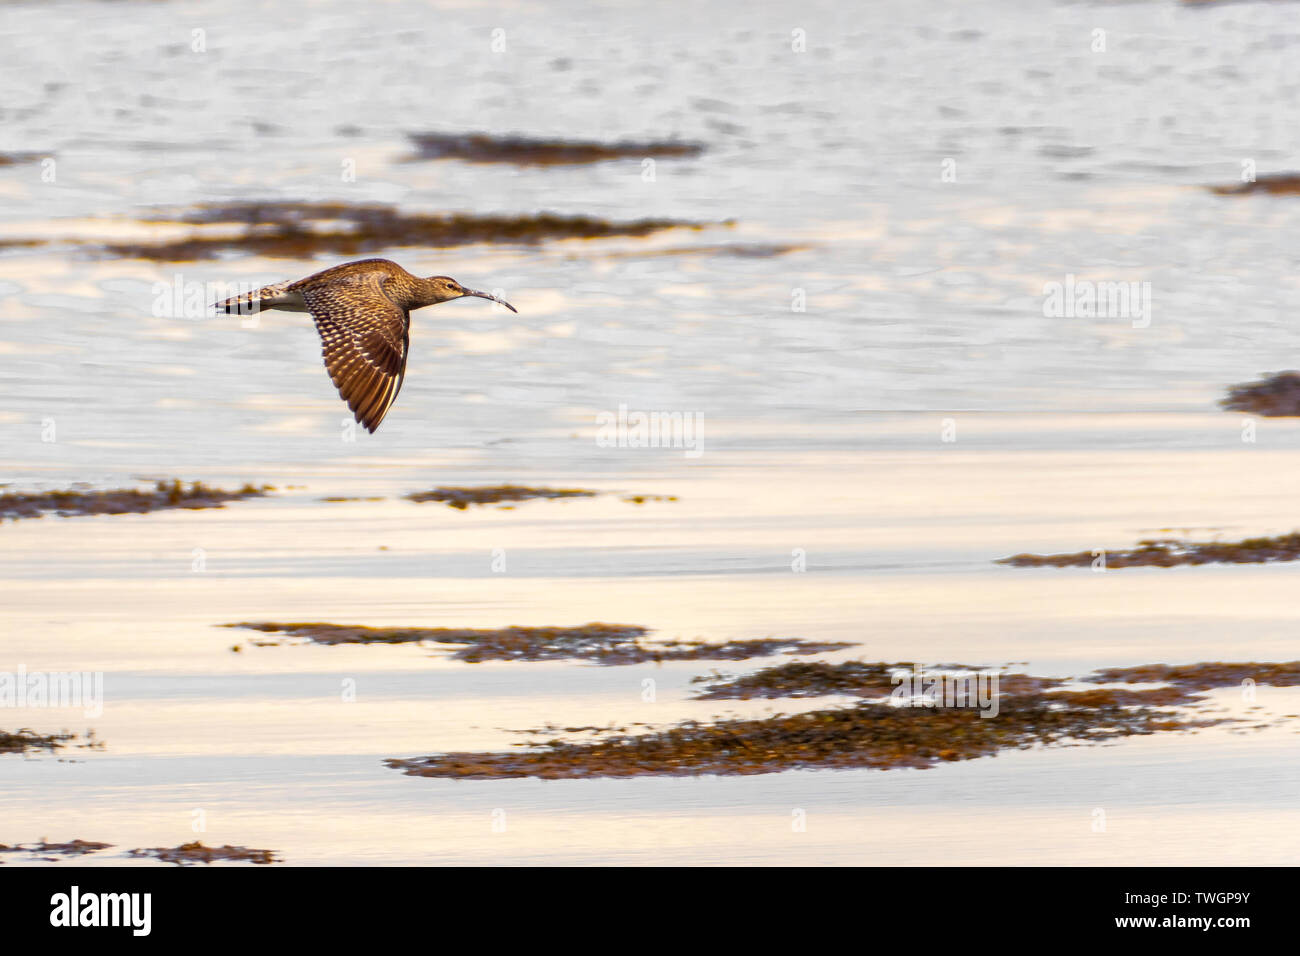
x=489, y=295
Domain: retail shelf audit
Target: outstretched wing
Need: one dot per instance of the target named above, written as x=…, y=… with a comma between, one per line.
x=364, y=337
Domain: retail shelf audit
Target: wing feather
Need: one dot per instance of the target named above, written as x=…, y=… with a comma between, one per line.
x=364, y=341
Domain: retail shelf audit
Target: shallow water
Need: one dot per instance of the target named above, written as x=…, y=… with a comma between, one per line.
x=823, y=429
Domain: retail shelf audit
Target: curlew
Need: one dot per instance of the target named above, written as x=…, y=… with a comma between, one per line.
x=362, y=311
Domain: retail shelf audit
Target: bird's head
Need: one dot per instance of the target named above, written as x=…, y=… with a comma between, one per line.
x=447, y=288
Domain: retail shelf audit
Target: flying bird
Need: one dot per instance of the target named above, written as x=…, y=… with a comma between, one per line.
x=362, y=311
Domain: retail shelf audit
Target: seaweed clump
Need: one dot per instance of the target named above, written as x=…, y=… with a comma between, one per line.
x=608, y=644
x=50, y=852
x=531, y=151
x=290, y=230
x=1169, y=552
x=1204, y=676
x=1031, y=711
x=1275, y=184
x=121, y=501
x=24, y=739
x=804, y=679
x=461, y=498
x=1275, y=396
x=856, y=678
x=867, y=735
x=196, y=852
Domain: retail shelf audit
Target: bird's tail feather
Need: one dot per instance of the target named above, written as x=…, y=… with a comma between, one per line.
x=267, y=297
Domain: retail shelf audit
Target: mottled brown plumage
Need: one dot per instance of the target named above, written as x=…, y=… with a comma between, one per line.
x=362, y=311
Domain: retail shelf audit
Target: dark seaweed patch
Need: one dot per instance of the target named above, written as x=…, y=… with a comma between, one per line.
x=462, y=497
x=530, y=151
x=868, y=735
x=50, y=852
x=609, y=644
x=196, y=852
x=1170, y=552
x=876, y=679
x=804, y=679
x=1204, y=676
x=1275, y=184
x=868, y=679
x=1032, y=711
x=303, y=230
x=24, y=740
x=122, y=500
x=1274, y=396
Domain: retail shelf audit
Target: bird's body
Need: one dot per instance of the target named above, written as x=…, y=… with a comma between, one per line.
x=362, y=311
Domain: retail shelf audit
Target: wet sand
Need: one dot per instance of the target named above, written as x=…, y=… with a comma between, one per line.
x=191, y=725
x=843, y=310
